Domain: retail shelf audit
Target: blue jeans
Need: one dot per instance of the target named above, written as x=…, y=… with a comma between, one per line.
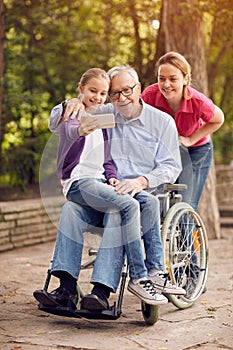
x=76, y=219
x=93, y=199
x=109, y=261
x=196, y=162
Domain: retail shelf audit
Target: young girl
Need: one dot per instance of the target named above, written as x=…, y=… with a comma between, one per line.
x=195, y=115
x=88, y=178
x=83, y=148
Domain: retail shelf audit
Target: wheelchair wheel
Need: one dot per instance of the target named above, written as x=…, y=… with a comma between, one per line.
x=150, y=313
x=185, y=248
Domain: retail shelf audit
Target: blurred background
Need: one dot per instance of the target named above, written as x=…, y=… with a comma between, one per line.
x=46, y=45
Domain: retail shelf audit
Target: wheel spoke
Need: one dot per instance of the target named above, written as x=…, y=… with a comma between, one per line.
x=185, y=252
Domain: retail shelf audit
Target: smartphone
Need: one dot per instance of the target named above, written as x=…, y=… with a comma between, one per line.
x=105, y=120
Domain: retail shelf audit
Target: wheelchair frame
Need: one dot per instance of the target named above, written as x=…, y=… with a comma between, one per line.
x=185, y=255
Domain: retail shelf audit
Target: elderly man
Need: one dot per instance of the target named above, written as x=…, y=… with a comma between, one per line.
x=145, y=149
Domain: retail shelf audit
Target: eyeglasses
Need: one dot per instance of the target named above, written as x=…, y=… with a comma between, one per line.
x=127, y=91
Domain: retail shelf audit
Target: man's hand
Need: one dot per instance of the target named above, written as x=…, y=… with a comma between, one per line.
x=73, y=108
x=132, y=186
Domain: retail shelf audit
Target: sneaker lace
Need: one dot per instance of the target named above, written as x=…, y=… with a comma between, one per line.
x=164, y=277
x=149, y=287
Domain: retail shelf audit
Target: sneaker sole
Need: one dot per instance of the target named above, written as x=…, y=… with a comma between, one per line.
x=148, y=301
x=169, y=291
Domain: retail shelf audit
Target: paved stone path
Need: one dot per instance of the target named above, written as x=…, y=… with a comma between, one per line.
x=208, y=325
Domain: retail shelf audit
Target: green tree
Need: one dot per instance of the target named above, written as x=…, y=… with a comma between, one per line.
x=49, y=44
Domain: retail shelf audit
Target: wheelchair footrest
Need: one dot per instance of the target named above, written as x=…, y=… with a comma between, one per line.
x=111, y=314
x=57, y=310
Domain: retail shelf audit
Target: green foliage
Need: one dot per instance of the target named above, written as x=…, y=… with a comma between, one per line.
x=49, y=44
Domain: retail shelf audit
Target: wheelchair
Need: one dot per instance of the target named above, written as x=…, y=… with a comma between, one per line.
x=185, y=260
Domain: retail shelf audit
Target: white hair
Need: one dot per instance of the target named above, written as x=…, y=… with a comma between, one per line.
x=119, y=69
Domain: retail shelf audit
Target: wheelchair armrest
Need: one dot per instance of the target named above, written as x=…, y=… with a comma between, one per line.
x=175, y=187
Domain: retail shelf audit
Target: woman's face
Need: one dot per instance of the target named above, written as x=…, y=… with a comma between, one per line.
x=171, y=82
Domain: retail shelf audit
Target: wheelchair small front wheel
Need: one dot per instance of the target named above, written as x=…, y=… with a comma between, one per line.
x=150, y=313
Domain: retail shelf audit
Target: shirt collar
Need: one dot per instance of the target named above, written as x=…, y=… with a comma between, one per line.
x=186, y=106
x=141, y=117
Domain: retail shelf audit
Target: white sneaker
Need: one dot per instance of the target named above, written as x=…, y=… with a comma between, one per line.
x=162, y=282
x=145, y=290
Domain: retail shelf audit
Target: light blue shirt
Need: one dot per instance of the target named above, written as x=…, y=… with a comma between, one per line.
x=145, y=146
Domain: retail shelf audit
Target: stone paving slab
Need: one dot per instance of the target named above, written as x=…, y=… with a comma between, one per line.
x=208, y=325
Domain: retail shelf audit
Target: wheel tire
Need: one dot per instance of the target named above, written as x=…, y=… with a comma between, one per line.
x=150, y=313
x=174, y=248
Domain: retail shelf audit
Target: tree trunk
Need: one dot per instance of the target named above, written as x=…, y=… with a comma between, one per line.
x=182, y=31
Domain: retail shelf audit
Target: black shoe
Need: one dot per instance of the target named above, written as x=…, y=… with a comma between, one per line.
x=58, y=297
x=93, y=302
